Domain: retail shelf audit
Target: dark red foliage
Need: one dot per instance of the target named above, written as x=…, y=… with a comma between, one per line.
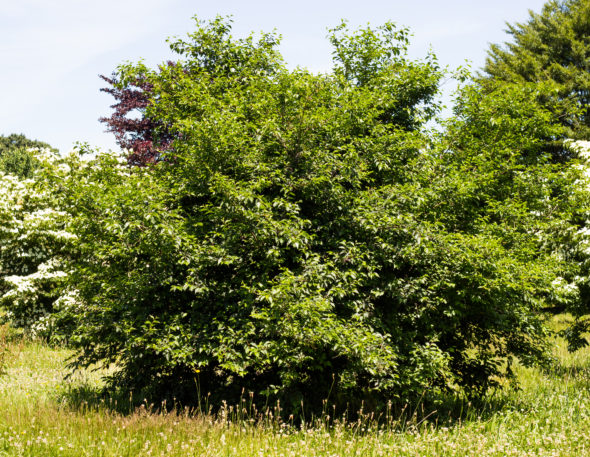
x=144, y=137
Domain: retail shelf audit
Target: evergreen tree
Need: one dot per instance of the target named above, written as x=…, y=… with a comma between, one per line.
x=553, y=46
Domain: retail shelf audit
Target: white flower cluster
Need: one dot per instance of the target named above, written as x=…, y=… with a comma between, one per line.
x=583, y=237
x=562, y=290
x=565, y=292
x=32, y=235
x=581, y=147
x=26, y=292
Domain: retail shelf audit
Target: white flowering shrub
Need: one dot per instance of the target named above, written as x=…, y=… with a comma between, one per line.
x=33, y=245
x=571, y=292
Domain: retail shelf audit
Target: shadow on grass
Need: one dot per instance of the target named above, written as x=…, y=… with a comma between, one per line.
x=580, y=375
x=429, y=410
x=446, y=411
x=454, y=410
x=87, y=397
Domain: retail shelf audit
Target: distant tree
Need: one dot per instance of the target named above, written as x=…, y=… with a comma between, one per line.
x=552, y=46
x=15, y=155
x=19, y=141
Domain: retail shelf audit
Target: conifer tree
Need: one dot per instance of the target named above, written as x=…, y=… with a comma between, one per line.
x=553, y=46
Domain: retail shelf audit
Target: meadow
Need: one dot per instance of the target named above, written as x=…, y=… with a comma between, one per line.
x=43, y=414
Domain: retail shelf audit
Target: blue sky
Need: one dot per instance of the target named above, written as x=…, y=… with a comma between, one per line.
x=54, y=50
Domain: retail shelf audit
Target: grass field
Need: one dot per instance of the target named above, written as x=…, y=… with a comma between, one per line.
x=43, y=415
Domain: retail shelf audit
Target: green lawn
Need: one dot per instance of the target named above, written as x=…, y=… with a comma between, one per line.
x=42, y=415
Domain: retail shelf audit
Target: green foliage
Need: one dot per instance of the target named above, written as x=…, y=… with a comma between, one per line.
x=573, y=288
x=20, y=141
x=306, y=238
x=496, y=198
x=18, y=162
x=551, y=46
x=16, y=156
x=246, y=261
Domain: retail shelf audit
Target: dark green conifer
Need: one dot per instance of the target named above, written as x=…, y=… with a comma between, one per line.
x=553, y=47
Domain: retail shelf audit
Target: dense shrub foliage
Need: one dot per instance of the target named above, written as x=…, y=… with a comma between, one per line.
x=305, y=236
x=573, y=244
x=302, y=236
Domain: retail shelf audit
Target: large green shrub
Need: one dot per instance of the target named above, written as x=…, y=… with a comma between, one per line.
x=304, y=237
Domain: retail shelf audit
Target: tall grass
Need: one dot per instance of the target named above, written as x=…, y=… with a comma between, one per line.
x=43, y=415
x=3, y=348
